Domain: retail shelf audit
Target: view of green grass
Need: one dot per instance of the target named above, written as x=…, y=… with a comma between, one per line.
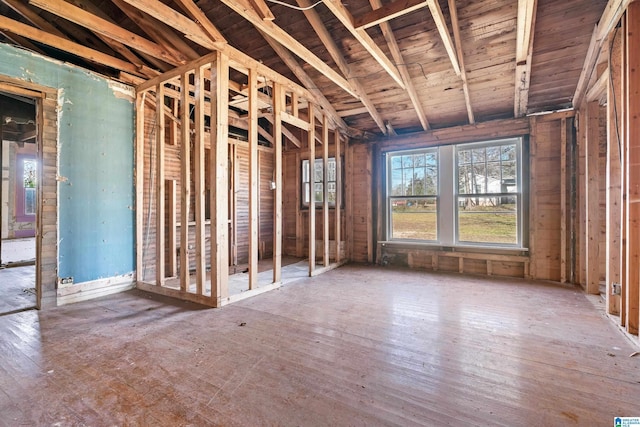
x=480, y=225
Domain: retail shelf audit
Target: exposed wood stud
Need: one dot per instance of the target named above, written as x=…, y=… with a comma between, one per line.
x=524, y=51
x=219, y=179
x=160, y=223
x=139, y=171
x=172, y=212
x=325, y=191
x=633, y=171
x=199, y=178
x=185, y=183
x=312, y=200
x=382, y=14
x=592, y=281
x=277, y=215
x=253, y=180
x=563, y=200
x=338, y=210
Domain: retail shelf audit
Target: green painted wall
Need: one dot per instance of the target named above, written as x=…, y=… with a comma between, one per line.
x=95, y=146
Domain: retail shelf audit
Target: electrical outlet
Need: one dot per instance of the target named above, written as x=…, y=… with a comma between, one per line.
x=65, y=280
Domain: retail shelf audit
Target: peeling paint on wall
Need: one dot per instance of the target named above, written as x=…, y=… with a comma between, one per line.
x=95, y=154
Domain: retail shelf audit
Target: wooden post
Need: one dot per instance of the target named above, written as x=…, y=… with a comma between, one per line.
x=219, y=179
x=172, y=211
x=325, y=191
x=140, y=119
x=160, y=261
x=277, y=202
x=533, y=199
x=185, y=182
x=200, y=187
x=563, y=200
x=338, y=225
x=311, y=134
x=613, y=177
x=299, y=222
x=253, y=179
x=633, y=170
x=348, y=209
x=592, y=239
x=624, y=164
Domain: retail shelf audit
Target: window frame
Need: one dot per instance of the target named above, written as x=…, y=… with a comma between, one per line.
x=448, y=195
x=518, y=194
x=391, y=198
x=305, y=192
x=20, y=193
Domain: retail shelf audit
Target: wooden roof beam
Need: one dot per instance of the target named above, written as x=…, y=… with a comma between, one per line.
x=441, y=24
x=201, y=19
x=261, y=8
x=21, y=41
x=32, y=16
x=158, y=32
x=65, y=45
x=115, y=45
x=333, y=49
x=402, y=67
x=453, y=11
x=610, y=17
x=285, y=39
x=102, y=26
x=345, y=17
x=524, y=51
x=173, y=18
x=387, y=12
x=304, y=78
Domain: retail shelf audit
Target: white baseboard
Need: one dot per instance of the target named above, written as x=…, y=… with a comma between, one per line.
x=95, y=288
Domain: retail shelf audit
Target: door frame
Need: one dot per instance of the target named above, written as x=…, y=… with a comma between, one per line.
x=46, y=100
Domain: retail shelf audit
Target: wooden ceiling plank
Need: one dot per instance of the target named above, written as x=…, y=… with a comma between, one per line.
x=388, y=12
x=65, y=45
x=612, y=13
x=32, y=16
x=441, y=25
x=97, y=24
x=345, y=17
x=261, y=8
x=453, y=11
x=201, y=19
x=387, y=32
x=173, y=18
x=523, y=67
x=333, y=49
x=304, y=78
x=285, y=39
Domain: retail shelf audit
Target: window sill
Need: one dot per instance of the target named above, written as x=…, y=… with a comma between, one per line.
x=487, y=249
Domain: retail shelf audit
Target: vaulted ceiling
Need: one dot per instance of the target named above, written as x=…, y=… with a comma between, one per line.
x=385, y=66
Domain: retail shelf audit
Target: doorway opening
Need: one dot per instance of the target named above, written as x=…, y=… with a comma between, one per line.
x=18, y=202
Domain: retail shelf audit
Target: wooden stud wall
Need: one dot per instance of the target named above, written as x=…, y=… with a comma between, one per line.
x=176, y=173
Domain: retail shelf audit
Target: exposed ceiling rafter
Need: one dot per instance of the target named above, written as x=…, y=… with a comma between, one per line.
x=524, y=51
x=345, y=17
x=388, y=12
x=453, y=11
x=106, y=28
x=385, y=27
x=333, y=49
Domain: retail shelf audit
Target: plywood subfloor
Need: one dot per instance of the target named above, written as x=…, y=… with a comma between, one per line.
x=354, y=346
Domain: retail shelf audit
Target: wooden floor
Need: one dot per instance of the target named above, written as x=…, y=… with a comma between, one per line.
x=355, y=346
x=17, y=289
